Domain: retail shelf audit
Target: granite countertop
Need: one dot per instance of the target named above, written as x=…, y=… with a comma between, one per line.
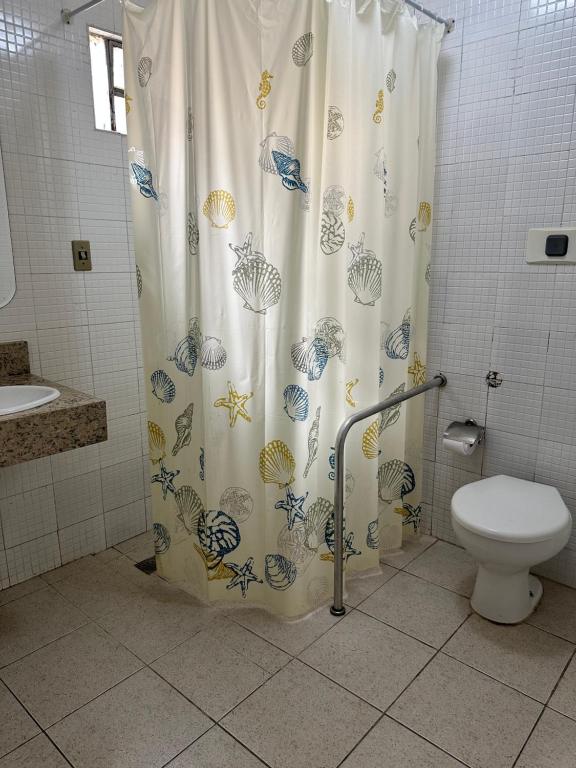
x=71, y=421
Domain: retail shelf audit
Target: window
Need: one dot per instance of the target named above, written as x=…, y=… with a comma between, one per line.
x=107, y=64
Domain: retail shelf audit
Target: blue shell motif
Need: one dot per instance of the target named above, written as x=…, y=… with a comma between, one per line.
x=280, y=573
x=161, y=539
x=162, y=386
x=218, y=533
x=186, y=355
x=397, y=343
x=289, y=169
x=310, y=357
x=395, y=480
x=373, y=537
x=296, y=402
x=143, y=177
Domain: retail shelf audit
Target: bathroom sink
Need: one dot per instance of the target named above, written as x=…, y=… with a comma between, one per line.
x=20, y=398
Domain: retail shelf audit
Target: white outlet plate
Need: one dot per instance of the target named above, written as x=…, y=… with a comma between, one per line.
x=536, y=245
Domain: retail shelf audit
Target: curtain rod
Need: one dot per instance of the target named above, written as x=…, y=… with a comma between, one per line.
x=67, y=14
x=448, y=23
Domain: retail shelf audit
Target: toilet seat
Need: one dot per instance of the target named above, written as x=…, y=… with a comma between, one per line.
x=509, y=509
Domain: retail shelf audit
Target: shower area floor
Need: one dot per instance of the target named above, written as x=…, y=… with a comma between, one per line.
x=104, y=666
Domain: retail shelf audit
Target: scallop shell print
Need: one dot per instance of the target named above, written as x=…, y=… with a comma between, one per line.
x=303, y=49
x=156, y=443
x=313, y=435
x=277, y=464
x=395, y=480
x=219, y=208
x=397, y=343
x=274, y=143
x=144, y=71
x=163, y=388
x=161, y=539
x=256, y=281
x=310, y=357
x=316, y=519
x=186, y=355
x=332, y=233
x=424, y=216
x=190, y=507
x=391, y=81
x=183, y=426
x=370, y=440
x=296, y=402
x=335, y=123
x=330, y=331
x=279, y=572
x=365, y=275
x=412, y=230
x=237, y=503
x=373, y=535
x=218, y=533
x=212, y=354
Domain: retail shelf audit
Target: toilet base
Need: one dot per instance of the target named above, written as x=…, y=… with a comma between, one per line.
x=506, y=598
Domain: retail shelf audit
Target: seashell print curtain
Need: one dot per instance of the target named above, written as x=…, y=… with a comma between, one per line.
x=281, y=158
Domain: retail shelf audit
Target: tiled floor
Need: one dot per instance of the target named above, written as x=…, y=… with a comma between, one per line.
x=103, y=666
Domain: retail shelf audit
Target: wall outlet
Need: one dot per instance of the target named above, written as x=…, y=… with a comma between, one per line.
x=81, y=255
x=536, y=245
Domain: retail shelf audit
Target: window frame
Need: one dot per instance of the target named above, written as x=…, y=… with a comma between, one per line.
x=111, y=41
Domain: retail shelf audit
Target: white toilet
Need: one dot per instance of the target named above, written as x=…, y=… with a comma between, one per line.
x=509, y=525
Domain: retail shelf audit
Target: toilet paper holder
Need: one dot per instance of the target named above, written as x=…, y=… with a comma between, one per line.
x=468, y=433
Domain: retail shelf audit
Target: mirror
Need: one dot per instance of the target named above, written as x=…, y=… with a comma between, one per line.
x=7, y=278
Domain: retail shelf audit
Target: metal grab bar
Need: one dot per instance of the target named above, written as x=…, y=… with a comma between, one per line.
x=437, y=381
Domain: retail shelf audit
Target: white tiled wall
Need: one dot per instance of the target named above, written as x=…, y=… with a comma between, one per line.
x=65, y=181
x=506, y=162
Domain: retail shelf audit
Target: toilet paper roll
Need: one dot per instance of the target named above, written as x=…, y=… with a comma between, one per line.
x=457, y=446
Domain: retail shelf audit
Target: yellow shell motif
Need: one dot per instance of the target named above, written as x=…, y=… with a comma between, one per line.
x=350, y=209
x=377, y=116
x=349, y=387
x=370, y=437
x=424, y=216
x=156, y=443
x=214, y=572
x=277, y=464
x=220, y=208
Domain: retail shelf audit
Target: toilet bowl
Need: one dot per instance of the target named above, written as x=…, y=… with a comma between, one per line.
x=509, y=525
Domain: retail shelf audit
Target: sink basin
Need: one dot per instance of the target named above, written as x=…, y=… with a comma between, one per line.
x=20, y=398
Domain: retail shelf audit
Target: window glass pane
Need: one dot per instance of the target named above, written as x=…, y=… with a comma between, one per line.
x=100, y=82
x=120, y=111
x=118, y=61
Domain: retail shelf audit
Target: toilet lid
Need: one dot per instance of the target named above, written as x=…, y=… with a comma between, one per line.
x=509, y=509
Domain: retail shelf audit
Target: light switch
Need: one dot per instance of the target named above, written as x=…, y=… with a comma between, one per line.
x=551, y=245
x=81, y=255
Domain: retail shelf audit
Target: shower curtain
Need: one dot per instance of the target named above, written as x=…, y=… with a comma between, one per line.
x=281, y=158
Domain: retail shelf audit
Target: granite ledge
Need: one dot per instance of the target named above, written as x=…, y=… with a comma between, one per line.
x=71, y=421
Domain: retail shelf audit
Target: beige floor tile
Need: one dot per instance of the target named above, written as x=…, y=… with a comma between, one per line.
x=16, y=726
x=412, y=548
x=368, y=658
x=107, y=556
x=37, y=753
x=21, y=590
x=216, y=748
x=564, y=697
x=390, y=745
x=426, y=611
x=99, y=589
x=552, y=744
x=291, y=636
x=300, y=719
x=446, y=565
x=141, y=552
x=358, y=588
x=136, y=541
x=520, y=655
x=68, y=673
x=230, y=669
x=141, y=722
x=156, y=620
x=477, y=720
x=85, y=566
x=556, y=612
x=33, y=621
